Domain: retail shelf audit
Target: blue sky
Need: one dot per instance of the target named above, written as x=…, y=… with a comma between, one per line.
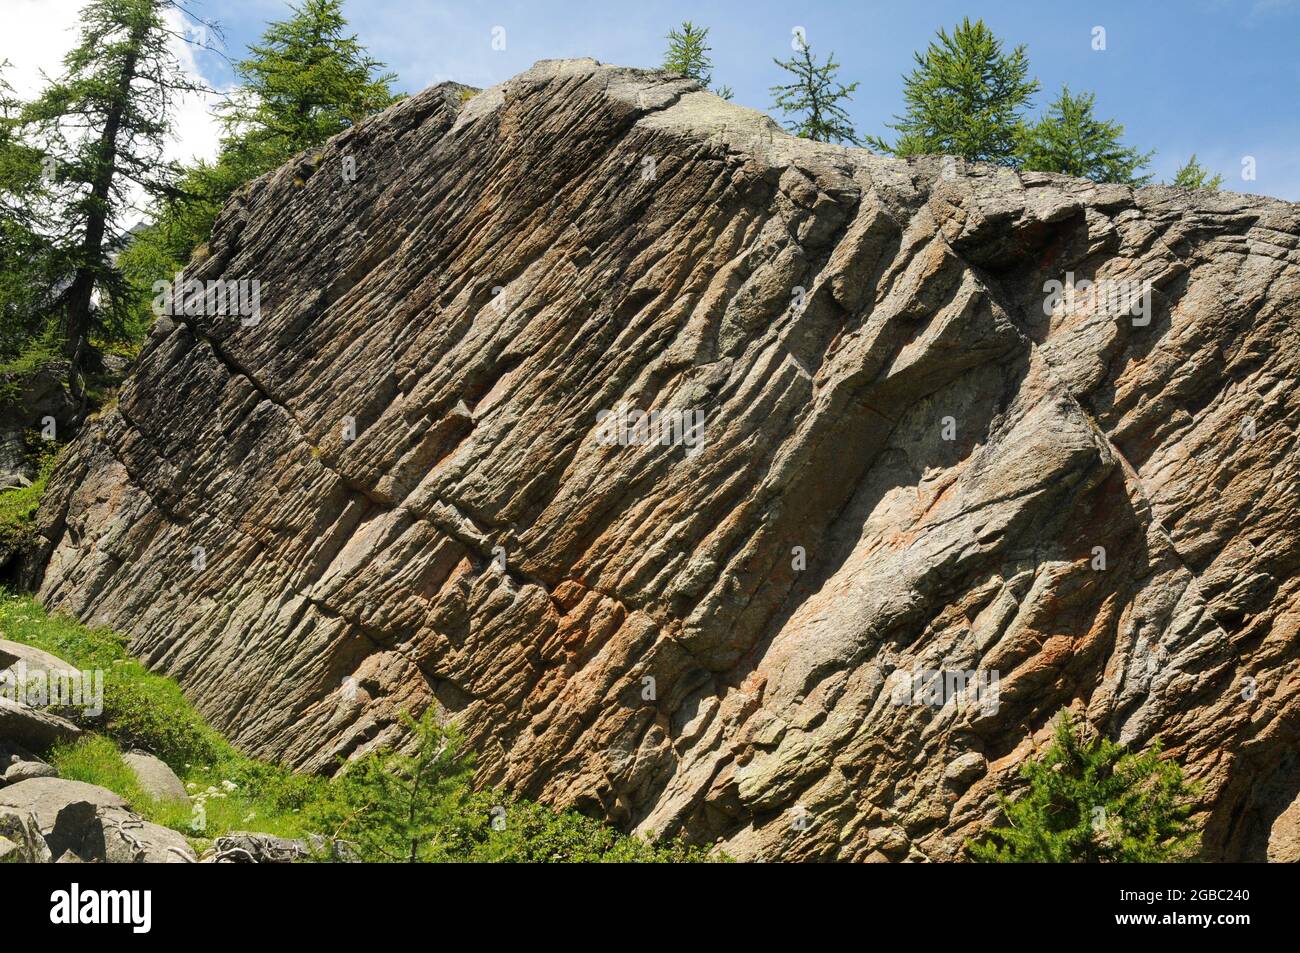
x=1220, y=78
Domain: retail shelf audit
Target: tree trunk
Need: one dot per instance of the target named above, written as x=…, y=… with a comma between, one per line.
x=81, y=291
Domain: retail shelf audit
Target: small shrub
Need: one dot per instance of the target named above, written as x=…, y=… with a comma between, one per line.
x=18, y=505
x=392, y=806
x=1095, y=802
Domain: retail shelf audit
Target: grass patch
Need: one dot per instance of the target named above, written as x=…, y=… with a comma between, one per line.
x=148, y=711
x=95, y=759
x=18, y=505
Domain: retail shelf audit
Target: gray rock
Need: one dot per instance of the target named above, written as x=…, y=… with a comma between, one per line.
x=10, y=753
x=21, y=840
x=335, y=849
x=34, y=659
x=93, y=823
x=63, y=809
x=964, y=769
x=156, y=779
x=33, y=728
x=26, y=770
x=117, y=836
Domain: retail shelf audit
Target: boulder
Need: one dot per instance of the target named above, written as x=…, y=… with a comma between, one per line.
x=21, y=840
x=117, y=836
x=93, y=824
x=26, y=770
x=1031, y=435
x=34, y=659
x=156, y=779
x=63, y=809
x=33, y=728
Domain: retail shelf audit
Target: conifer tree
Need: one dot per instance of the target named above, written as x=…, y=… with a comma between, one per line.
x=814, y=98
x=1070, y=139
x=1196, y=176
x=104, y=123
x=25, y=256
x=405, y=806
x=966, y=97
x=688, y=55
x=308, y=79
x=1092, y=801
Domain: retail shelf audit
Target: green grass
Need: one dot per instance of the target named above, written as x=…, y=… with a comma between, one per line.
x=18, y=505
x=149, y=711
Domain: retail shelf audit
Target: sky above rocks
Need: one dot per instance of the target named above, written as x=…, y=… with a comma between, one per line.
x=1220, y=78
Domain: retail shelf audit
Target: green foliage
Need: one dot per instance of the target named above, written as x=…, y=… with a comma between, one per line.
x=419, y=806
x=37, y=350
x=966, y=97
x=105, y=123
x=95, y=759
x=270, y=805
x=25, y=255
x=1070, y=139
x=1196, y=176
x=688, y=55
x=141, y=709
x=814, y=98
x=394, y=806
x=503, y=830
x=18, y=505
x=305, y=81
x=1095, y=802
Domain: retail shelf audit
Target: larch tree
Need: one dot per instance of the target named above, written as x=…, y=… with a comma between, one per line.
x=966, y=97
x=688, y=55
x=104, y=123
x=814, y=98
x=1195, y=176
x=1072, y=140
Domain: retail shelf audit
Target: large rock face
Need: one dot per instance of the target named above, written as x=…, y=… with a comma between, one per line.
x=394, y=488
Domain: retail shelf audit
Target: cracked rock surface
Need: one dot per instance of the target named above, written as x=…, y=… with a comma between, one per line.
x=391, y=490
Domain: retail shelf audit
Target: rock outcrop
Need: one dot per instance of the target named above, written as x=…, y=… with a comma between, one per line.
x=402, y=479
x=32, y=401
